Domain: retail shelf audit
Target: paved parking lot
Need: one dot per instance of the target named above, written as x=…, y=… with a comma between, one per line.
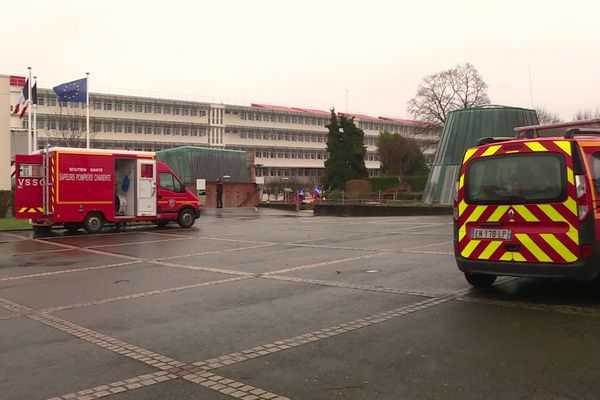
x=271, y=305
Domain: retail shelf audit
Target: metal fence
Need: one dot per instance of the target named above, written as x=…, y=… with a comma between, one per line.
x=346, y=198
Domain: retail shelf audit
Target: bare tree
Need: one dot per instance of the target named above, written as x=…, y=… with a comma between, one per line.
x=453, y=89
x=400, y=155
x=587, y=113
x=546, y=116
x=70, y=129
x=469, y=87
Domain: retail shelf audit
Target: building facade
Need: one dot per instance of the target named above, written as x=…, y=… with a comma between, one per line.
x=286, y=141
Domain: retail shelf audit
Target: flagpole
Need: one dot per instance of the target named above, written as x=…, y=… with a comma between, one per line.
x=87, y=115
x=29, y=113
x=35, y=130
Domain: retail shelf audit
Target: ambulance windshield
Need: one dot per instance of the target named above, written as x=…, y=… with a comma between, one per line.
x=516, y=179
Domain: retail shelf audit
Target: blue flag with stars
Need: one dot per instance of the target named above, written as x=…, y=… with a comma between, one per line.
x=72, y=91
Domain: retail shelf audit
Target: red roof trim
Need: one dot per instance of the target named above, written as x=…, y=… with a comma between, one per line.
x=522, y=129
x=289, y=109
x=361, y=116
x=17, y=81
x=273, y=107
x=312, y=111
x=404, y=121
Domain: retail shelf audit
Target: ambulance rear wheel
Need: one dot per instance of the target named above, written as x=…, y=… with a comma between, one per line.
x=186, y=218
x=72, y=226
x=480, y=280
x=93, y=222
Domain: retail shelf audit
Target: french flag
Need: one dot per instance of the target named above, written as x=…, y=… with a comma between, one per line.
x=23, y=100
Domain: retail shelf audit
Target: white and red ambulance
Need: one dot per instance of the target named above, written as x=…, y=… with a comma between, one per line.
x=86, y=188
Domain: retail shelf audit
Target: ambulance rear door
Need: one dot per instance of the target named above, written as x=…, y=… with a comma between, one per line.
x=517, y=203
x=146, y=187
x=29, y=181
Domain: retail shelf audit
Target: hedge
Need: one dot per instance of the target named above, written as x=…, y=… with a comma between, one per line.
x=384, y=182
x=417, y=183
x=6, y=197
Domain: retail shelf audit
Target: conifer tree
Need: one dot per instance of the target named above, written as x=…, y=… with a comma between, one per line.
x=346, y=149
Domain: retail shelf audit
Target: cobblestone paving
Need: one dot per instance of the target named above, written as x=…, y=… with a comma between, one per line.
x=395, y=236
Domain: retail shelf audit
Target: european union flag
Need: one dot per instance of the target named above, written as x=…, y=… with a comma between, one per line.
x=72, y=91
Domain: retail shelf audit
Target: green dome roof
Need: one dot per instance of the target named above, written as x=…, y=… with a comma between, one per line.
x=462, y=130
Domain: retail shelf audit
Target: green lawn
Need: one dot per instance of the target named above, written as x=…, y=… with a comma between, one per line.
x=13, y=223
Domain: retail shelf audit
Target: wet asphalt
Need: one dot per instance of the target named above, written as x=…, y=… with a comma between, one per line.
x=267, y=304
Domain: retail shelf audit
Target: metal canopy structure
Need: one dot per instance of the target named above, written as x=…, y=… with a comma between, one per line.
x=191, y=163
x=462, y=130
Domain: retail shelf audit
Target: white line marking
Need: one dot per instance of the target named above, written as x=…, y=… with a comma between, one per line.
x=66, y=246
x=204, y=269
x=67, y=271
x=204, y=253
x=321, y=264
x=142, y=294
x=15, y=235
x=428, y=245
x=28, y=253
x=169, y=234
x=141, y=242
x=86, y=235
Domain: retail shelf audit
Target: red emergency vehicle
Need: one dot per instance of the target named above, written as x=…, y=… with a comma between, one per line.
x=530, y=206
x=87, y=188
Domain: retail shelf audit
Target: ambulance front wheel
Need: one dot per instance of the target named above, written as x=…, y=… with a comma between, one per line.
x=480, y=280
x=186, y=218
x=93, y=222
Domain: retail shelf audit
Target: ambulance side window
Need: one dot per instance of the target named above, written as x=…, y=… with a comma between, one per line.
x=169, y=182
x=30, y=171
x=596, y=171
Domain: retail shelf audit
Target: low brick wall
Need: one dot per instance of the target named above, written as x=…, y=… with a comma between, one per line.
x=378, y=211
x=279, y=206
x=234, y=195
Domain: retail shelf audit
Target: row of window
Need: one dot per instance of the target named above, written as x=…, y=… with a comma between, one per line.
x=316, y=121
x=121, y=128
x=293, y=137
x=306, y=155
x=136, y=146
x=290, y=172
x=287, y=119
x=110, y=145
x=150, y=130
x=126, y=107
x=375, y=126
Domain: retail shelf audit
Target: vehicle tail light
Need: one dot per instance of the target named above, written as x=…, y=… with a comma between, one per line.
x=455, y=202
x=582, y=198
x=587, y=251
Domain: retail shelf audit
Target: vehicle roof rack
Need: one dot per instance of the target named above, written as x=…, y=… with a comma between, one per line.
x=570, y=133
x=488, y=140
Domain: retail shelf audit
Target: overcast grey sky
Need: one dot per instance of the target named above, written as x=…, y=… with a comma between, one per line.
x=308, y=53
